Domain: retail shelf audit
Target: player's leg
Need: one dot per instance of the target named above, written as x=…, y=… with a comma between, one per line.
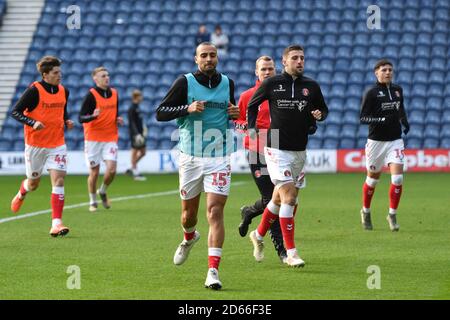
x=191, y=185
x=215, y=204
x=34, y=165
x=57, y=166
x=265, y=187
x=395, y=160
x=109, y=155
x=139, y=154
x=93, y=157
x=375, y=152
x=216, y=183
x=57, y=201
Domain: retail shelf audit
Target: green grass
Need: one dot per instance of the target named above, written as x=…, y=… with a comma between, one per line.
x=126, y=252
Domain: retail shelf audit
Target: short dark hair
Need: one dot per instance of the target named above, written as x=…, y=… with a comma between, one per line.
x=292, y=47
x=47, y=63
x=381, y=63
x=206, y=43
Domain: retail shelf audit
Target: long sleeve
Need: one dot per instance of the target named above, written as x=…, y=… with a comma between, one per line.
x=321, y=105
x=132, y=121
x=28, y=101
x=258, y=97
x=87, y=109
x=174, y=104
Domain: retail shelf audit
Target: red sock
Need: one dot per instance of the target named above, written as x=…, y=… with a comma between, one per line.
x=189, y=235
x=395, y=192
x=287, y=228
x=22, y=189
x=267, y=219
x=368, y=192
x=57, y=205
x=213, y=262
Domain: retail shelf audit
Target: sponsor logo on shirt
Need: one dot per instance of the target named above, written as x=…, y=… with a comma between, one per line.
x=279, y=89
x=380, y=94
x=302, y=104
x=305, y=92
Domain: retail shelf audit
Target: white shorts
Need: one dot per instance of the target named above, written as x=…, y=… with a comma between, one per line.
x=203, y=174
x=285, y=166
x=380, y=153
x=37, y=158
x=95, y=152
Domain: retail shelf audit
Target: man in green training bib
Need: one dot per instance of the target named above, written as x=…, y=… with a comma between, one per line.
x=203, y=104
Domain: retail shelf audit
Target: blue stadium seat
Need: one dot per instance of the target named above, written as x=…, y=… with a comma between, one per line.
x=348, y=131
x=330, y=143
x=431, y=143
x=416, y=131
x=332, y=130
x=445, y=131
x=313, y=143
x=413, y=143
x=433, y=117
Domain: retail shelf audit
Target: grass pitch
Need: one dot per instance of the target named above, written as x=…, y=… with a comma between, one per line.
x=126, y=252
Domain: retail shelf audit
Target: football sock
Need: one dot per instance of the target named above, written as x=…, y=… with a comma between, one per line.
x=189, y=233
x=103, y=188
x=23, y=189
x=269, y=215
x=92, y=198
x=57, y=201
x=368, y=191
x=395, y=192
x=214, y=255
x=287, y=225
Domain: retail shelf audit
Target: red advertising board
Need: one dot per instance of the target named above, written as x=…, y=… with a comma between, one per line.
x=429, y=160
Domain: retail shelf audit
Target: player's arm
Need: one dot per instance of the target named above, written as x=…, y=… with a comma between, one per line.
x=132, y=121
x=260, y=95
x=119, y=119
x=233, y=110
x=240, y=123
x=67, y=121
x=28, y=101
x=320, y=108
x=88, y=111
x=174, y=104
x=402, y=115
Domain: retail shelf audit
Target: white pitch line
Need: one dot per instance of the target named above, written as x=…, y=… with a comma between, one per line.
x=78, y=205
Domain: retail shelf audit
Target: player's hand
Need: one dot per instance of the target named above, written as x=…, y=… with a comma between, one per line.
x=38, y=125
x=120, y=121
x=196, y=106
x=69, y=124
x=317, y=114
x=233, y=111
x=139, y=139
x=96, y=113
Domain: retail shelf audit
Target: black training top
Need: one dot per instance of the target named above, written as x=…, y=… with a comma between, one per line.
x=383, y=110
x=290, y=104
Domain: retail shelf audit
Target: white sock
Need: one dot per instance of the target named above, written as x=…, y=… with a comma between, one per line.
x=258, y=236
x=291, y=252
x=215, y=252
x=92, y=198
x=392, y=211
x=103, y=188
x=273, y=208
x=286, y=211
x=55, y=222
x=366, y=210
x=135, y=172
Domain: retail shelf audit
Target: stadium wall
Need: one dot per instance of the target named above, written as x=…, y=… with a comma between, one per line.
x=319, y=161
